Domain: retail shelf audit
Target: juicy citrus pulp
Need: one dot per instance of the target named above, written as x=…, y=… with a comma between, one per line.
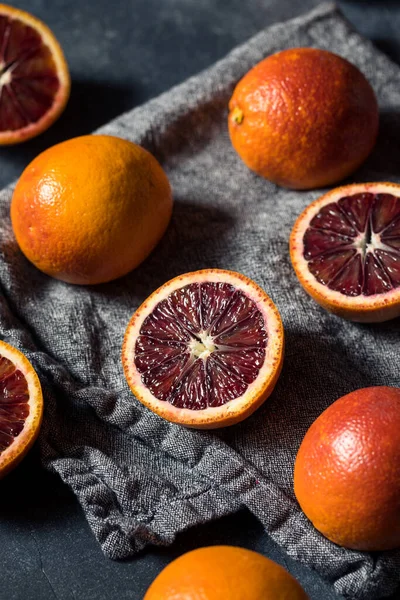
x=34, y=77
x=345, y=249
x=21, y=406
x=91, y=209
x=224, y=573
x=205, y=349
x=347, y=470
x=303, y=118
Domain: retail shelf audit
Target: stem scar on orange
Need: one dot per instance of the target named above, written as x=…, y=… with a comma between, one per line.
x=204, y=350
x=303, y=118
x=347, y=470
x=34, y=77
x=224, y=573
x=21, y=407
x=345, y=250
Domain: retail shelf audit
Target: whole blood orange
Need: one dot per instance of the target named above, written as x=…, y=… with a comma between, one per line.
x=21, y=406
x=205, y=349
x=303, y=118
x=345, y=250
x=34, y=77
x=347, y=471
x=224, y=573
x=90, y=209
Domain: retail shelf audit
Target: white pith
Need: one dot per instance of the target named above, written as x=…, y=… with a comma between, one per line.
x=204, y=347
x=360, y=244
x=300, y=264
x=266, y=375
x=5, y=78
x=35, y=402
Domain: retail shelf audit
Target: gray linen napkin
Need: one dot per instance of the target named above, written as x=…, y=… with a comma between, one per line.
x=139, y=479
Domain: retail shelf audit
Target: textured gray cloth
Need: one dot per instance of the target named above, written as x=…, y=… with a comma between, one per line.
x=139, y=479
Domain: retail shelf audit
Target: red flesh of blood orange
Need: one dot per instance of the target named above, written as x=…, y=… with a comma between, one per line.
x=21, y=406
x=34, y=77
x=205, y=350
x=345, y=249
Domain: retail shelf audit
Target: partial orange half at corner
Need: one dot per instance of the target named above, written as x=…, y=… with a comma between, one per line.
x=34, y=76
x=21, y=406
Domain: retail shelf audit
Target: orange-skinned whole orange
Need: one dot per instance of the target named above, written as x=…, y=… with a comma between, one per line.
x=347, y=471
x=91, y=209
x=224, y=573
x=303, y=118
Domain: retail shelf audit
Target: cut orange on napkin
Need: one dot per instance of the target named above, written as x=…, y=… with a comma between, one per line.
x=34, y=76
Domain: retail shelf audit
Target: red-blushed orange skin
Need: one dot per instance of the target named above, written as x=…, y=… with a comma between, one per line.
x=347, y=470
x=56, y=62
x=91, y=209
x=224, y=573
x=303, y=118
x=385, y=306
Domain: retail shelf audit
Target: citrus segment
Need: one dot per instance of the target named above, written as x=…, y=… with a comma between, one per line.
x=34, y=77
x=224, y=573
x=205, y=349
x=21, y=406
x=345, y=249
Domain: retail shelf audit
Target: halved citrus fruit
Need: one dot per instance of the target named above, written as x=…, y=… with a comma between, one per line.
x=345, y=250
x=205, y=349
x=21, y=406
x=34, y=76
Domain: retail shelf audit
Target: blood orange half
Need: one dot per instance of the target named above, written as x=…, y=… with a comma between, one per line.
x=34, y=77
x=21, y=406
x=205, y=349
x=345, y=250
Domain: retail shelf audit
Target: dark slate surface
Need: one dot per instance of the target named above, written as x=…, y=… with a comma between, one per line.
x=121, y=54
